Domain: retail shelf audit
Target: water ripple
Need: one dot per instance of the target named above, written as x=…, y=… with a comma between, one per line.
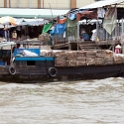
x=87, y=102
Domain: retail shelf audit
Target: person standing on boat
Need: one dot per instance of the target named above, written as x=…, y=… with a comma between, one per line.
x=14, y=35
x=5, y=33
x=118, y=49
x=84, y=35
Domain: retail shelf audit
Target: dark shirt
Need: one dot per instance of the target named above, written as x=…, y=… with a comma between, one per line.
x=3, y=33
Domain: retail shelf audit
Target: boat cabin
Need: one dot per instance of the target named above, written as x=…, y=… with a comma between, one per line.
x=6, y=50
x=28, y=61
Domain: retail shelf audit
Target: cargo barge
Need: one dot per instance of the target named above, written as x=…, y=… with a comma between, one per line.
x=33, y=64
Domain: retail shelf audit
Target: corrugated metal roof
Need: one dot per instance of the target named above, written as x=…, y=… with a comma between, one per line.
x=102, y=4
x=31, y=13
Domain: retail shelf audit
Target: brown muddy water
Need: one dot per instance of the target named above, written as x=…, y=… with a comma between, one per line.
x=80, y=102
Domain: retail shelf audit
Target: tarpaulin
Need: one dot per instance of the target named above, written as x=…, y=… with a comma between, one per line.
x=46, y=28
x=109, y=20
x=61, y=21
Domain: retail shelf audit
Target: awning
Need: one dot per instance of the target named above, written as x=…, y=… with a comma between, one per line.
x=102, y=4
x=87, y=22
x=31, y=13
x=5, y=44
x=31, y=22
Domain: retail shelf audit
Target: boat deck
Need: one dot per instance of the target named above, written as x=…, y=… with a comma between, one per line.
x=87, y=45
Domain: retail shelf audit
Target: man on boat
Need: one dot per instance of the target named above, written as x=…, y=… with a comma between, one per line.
x=84, y=35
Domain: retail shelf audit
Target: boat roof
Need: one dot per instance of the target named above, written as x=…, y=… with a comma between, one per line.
x=5, y=44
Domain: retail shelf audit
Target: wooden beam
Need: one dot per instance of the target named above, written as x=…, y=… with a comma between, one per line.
x=39, y=4
x=5, y=3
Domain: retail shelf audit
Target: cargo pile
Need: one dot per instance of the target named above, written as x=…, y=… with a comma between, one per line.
x=45, y=38
x=84, y=58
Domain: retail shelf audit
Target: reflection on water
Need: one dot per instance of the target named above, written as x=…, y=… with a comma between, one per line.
x=80, y=102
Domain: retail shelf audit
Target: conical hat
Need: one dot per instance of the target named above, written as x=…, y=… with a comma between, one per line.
x=118, y=46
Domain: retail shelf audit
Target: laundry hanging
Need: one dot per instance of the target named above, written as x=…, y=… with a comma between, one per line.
x=110, y=20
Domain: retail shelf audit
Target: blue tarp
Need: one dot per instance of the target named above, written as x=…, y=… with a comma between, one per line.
x=33, y=58
x=20, y=51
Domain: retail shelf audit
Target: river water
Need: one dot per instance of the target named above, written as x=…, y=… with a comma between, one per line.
x=76, y=102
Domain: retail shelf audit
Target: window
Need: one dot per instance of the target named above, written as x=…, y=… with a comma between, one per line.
x=30, y=63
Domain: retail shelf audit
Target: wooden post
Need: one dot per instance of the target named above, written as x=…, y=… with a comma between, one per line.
x=42, y=3
x=121, y=40
x=116, y=26
x=72, y=4
x=11, y=56
x=78, y=28
x=77, y=45
x=5, y=3
x=69, y=45
x=97, y=25
x=39, y=4
x=122, y=26
x=9, y=3
x=113, y=48
x=106, y=35
x=122, y=48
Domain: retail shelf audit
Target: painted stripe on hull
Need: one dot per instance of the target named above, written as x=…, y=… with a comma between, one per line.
x=34, y=59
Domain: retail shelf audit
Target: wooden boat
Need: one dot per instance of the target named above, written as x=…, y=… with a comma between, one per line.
x=38, y=68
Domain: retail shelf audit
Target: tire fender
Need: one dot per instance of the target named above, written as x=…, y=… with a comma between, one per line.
x=52, y=72
x=12, y=70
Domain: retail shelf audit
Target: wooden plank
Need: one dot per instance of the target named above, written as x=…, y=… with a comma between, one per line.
x=87, y=45
x=107, y=42
x=59, y=46
x=30, y=42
